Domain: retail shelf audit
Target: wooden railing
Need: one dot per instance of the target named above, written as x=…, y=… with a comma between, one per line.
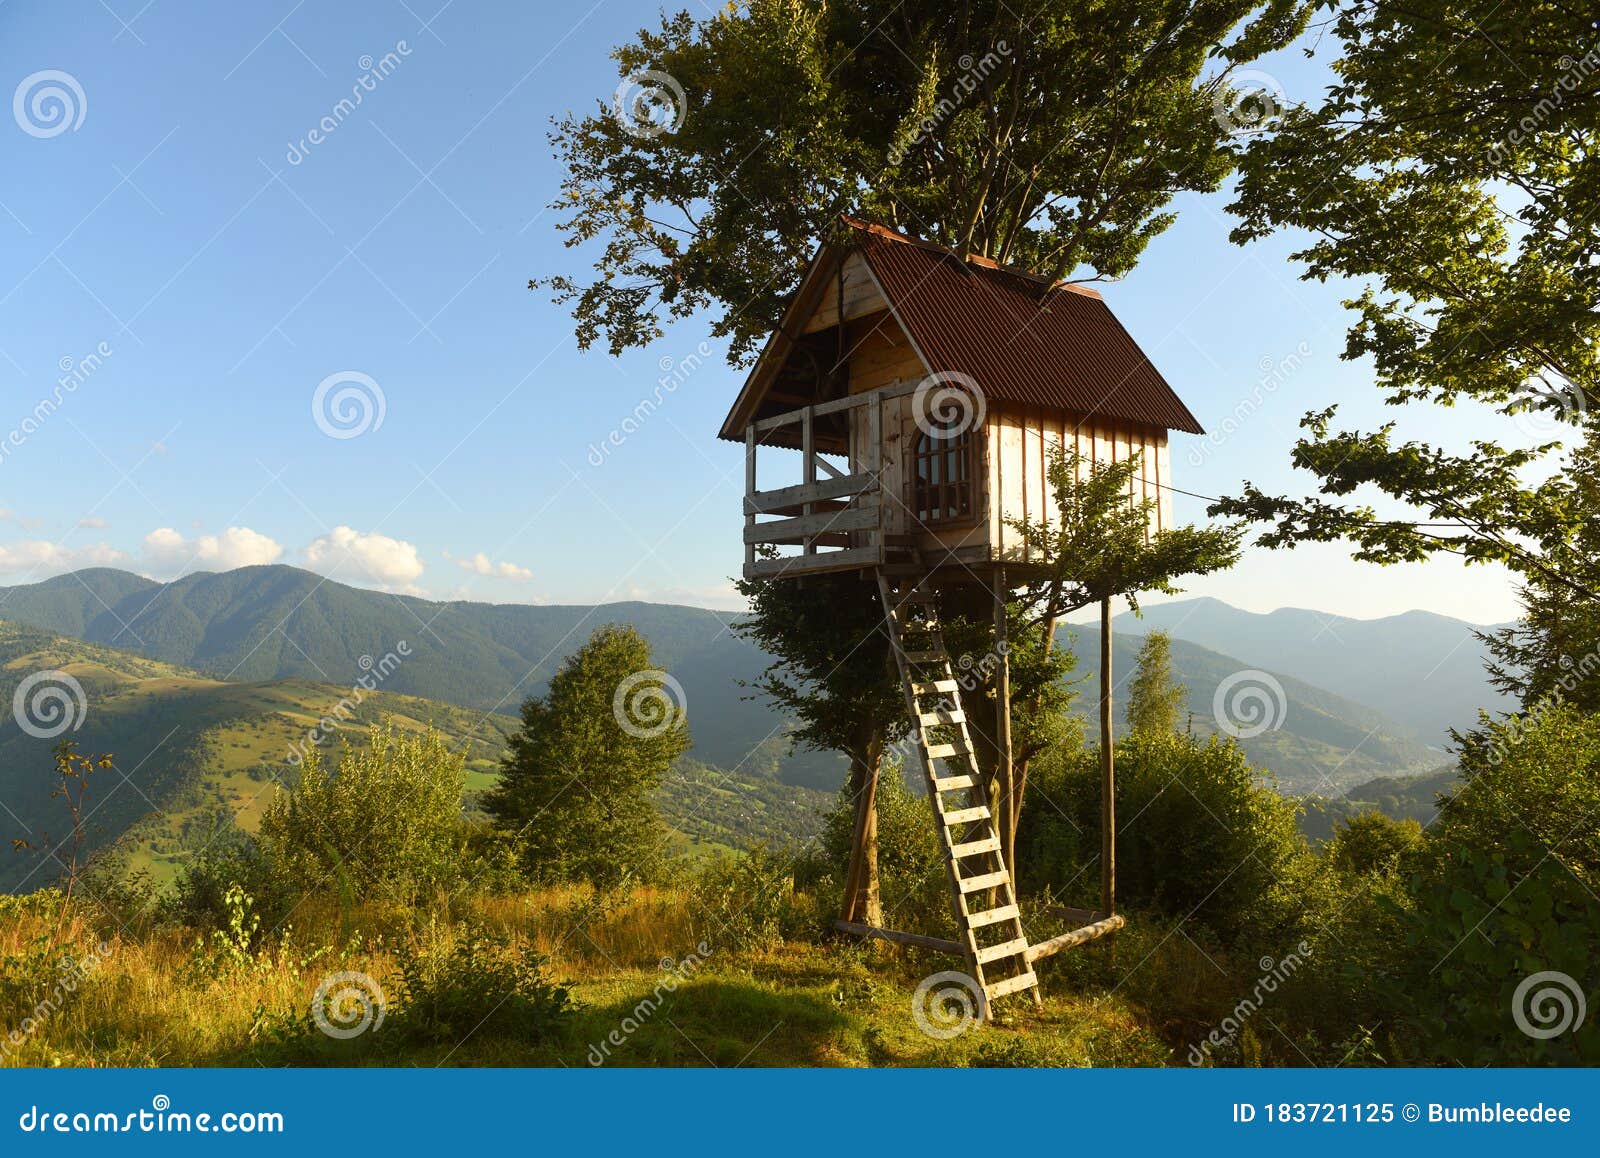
x=832, y=508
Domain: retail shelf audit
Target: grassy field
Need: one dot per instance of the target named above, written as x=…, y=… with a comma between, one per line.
x=162, y=996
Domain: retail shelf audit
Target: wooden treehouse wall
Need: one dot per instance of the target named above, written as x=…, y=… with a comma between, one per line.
x=1020, y=442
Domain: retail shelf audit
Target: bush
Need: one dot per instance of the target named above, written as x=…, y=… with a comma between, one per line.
x=477, y=982
x=748, y=901
x=1372, y=842
x=1508, y=890
x=387, y=822
x=1199, y=833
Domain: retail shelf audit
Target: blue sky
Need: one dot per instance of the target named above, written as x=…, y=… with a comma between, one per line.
x=196, y=267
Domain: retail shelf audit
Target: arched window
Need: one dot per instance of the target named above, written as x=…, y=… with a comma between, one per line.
x=942, y=471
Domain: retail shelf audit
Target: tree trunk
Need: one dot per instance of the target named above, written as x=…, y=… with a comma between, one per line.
x=862, y=900
x=1108, y=782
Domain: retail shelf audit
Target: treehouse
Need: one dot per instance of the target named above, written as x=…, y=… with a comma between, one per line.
x=927, y=394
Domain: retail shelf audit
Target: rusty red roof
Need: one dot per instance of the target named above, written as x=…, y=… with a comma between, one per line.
x=1021, y=339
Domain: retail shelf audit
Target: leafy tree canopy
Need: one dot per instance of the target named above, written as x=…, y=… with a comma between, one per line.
x=577, y=778
x=1049, y=136
x=1451, y=172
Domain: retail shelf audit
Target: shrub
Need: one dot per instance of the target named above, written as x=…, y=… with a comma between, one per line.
x=478, y=981
x=1372, y=842
x=387, y=822
x=1199, y=833
x=748, y=901
x=1508, y=890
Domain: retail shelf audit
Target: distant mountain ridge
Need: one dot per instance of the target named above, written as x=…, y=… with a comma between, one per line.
x=1422, y=669
x=268, y=623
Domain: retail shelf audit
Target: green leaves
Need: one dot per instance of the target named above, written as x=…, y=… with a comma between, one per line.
x=1448, y=171
x=1098, y=544
x=576, y=781
x=1053, y=139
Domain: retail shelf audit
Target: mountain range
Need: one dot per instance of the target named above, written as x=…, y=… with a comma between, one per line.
x=200, y=685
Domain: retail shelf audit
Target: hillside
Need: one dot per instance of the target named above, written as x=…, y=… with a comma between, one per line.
x=1415, y=797
x=1420, y=669
x=1321, y=742
x=259, y=624
x=273, y=623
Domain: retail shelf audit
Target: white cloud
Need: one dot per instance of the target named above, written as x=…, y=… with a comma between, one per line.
x=93, y=523
x=40, y=559
x=167, y=550
x=357, y=556
x=480, y=564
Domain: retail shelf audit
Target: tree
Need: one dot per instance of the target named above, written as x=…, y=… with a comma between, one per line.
x=1098, y=547
x=1052, y=137
x=577, y=780
x=387, y=822
x=832, y=674
x=73, y=774
x=1553, y=655
x=1450, y=170
x=1154, y=699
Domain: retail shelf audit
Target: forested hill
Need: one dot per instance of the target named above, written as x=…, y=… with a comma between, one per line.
x=259, y=624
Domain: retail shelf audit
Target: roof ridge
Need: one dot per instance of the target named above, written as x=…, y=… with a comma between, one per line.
x=989, y=263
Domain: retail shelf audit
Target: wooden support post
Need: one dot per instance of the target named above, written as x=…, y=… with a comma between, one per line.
x=1075, y=937
x=863, y=901
x=808, y=449
x=1005, y=771
x=1108, y=772
x=749, y=490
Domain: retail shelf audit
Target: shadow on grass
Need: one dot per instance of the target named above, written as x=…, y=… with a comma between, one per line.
x=721, y=1022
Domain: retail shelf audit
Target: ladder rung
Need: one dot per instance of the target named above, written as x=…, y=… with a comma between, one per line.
x=1011, y=985
x=965, y=816
x=953, y=716
x=951, y=783
x=945, y=751
x=986, y=881
x=998, y=952
x=935, y=688
x=940, y=656
x=992, y=916
x=976, y=847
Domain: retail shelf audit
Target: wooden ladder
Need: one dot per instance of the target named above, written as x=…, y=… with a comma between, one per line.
x=992, y=938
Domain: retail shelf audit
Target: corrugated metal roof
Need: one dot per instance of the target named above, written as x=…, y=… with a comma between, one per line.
x=1062, y=349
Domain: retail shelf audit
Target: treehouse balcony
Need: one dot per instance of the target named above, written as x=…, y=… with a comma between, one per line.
x=833, y=517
